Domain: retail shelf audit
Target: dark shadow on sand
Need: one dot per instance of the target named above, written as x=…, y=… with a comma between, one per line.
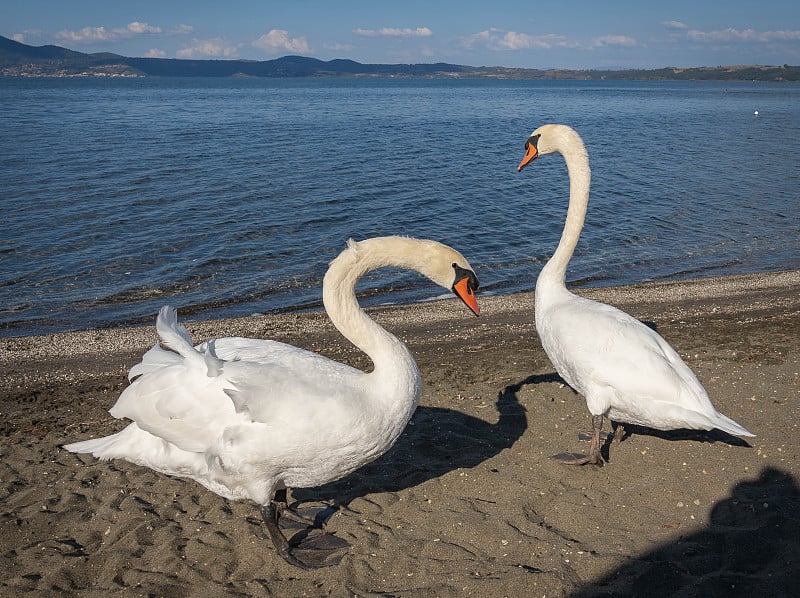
x=435, y=442
x=751, y=547
x=709, y=436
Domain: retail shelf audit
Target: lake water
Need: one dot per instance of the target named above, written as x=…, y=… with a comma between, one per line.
x=229, y=197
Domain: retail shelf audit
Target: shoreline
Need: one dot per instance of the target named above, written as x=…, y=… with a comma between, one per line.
x=217, y=311
x=722, y=289
x=468, y=501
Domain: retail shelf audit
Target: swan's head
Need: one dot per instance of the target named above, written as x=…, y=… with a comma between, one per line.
x=549, y=139
x=465, y=286
x=440, y=263
x=448, y=268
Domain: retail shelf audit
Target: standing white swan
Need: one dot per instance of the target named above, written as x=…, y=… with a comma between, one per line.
x=625, y=370
x=247, y=418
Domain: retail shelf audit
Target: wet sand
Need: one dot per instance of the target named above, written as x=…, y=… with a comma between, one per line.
x=467, y=503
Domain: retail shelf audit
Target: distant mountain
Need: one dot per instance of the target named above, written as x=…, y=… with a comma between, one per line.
x=21, y=60
x=11, y=50
x=17, y=59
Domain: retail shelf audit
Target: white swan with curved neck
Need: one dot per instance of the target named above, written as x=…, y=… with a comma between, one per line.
x=247, y=418
x=625, y=370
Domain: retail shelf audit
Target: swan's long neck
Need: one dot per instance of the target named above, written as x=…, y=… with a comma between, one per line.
x=577, y=161
x=391, y=358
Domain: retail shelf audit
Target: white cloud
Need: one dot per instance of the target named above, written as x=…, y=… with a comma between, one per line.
x=496, y=39
x=675, y=25
x=519, y=41
x=101, y=34
x=32, y=36
x=499, y=40
x=515, y=41
x=278, y=39
x=394, y=32
x=87, y=34
x=137, y=27
x=183, y=29
x=208, y=48
x=155, y=53
x=746, y=35
x=482, y=37
x=613, y=40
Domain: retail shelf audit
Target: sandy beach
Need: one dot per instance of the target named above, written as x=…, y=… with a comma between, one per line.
x=468, y=502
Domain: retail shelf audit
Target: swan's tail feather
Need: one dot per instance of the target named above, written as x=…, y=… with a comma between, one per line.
x=669, y=416
x=142, y=448
x=122, y=445
x=173, y=334
x=705, y=421
x=176, y=337
x=102, y=448
x=726, y=424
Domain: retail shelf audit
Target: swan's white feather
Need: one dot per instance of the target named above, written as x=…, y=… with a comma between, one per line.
x=242, y=416
x=270, y=406
x=625, y=370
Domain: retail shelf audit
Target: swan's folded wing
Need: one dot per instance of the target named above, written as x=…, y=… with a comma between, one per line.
x=189, y=404
x=263, y=351
x=179, y=404
x=615, y=350
x=300, y=386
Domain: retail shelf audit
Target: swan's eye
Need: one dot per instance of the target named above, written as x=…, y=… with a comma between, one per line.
x=472, y=280
x=532, y=140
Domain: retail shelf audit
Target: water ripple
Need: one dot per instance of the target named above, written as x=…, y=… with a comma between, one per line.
x=231, y=197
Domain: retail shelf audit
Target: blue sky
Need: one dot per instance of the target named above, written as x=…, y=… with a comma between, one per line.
x=531, y=34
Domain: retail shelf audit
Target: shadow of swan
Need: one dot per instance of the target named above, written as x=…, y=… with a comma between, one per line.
x=435, y=442
x=749, y=548
x=709, y=436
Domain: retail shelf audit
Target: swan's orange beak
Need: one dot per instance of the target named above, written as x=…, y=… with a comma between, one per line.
x=466, y=293
x=531, y=153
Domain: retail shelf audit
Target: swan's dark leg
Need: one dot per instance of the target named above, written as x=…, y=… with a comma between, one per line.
x=281, y=503
x=309, y=548
x=594, y=457
x=270, y=514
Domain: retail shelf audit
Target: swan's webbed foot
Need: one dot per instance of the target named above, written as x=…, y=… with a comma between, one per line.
x=593, y=457
x=270, y=514
x=316, y=548
x=293, y=518
x=300, y=518
x=579, y=459
x=310, y=548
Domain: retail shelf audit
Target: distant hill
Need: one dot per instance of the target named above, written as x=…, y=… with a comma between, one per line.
x=17, y=59
x=21, y=60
